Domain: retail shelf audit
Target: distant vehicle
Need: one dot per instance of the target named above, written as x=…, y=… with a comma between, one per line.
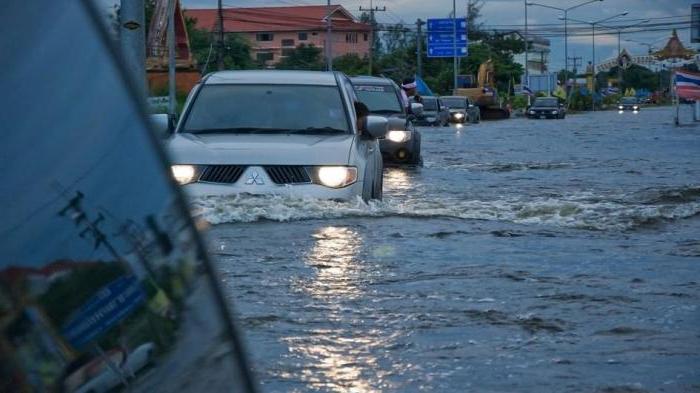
x=101, y=376
x=546, y=107
x=291, y=133
x=462, y=109
x=435, y=113
x=402, y=144
x=629, y=104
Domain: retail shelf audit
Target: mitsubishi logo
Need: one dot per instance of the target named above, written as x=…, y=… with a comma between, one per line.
x=254, y=178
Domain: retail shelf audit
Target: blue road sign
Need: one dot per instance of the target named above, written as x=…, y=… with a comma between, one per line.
x=441, y=38
x=446, y=39
x=107, y=307
x=447, y=25
x=444, y=51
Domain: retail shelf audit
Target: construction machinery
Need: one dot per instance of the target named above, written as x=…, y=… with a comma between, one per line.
x=483, y=93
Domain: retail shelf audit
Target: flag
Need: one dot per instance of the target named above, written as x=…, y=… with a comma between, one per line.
x=527, y=91
x=687, y=85
x=422, y=87
x=560, y=92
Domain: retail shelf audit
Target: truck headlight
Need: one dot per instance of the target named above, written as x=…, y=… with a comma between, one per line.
x=335, y=176
x=458, y=115
x=184, y=174
x=636, y=107
x=398, y=136
x=532, y=112
x=620, y=107
x=555, y=112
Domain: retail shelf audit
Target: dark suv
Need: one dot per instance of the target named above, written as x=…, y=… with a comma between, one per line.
x=546, y=108
x=382, y=96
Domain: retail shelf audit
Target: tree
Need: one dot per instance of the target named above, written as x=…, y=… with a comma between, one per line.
x=304, y=57
x=203, y=45
x=351, y=64
x=474, y=27
x=395, y=37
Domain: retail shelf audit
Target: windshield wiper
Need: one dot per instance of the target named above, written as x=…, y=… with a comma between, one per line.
x=318, y=130
x=237, y=130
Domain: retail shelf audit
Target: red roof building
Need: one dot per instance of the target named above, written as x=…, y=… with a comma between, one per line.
x=275, y=31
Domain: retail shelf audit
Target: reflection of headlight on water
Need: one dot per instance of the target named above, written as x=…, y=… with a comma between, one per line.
x=398, y=136
x=397, y=179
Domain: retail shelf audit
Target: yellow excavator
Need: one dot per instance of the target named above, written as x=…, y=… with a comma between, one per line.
x=484, y=94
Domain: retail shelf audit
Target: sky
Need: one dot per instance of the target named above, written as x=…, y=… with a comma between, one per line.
x=511, y=12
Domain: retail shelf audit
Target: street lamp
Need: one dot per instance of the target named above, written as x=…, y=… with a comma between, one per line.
x=648, y=45
x=619, y=30
x=593, y=25
x=566, y=27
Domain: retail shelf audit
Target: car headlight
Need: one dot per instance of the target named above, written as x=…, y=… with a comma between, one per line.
x=620, y=107
x=635, y=107
x=555, y=112
x=335, y=176
x=184, y=174
x=458, y=115
x=398, y=136
x=532, y=112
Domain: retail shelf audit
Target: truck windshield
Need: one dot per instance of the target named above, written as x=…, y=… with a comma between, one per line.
x=378, y=98
x=455, y=103
x=430, y=104
x=265, y=108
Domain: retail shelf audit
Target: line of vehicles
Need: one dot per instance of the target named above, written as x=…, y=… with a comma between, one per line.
x=299, y=133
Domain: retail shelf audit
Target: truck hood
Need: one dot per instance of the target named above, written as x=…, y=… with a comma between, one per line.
x=273, y=149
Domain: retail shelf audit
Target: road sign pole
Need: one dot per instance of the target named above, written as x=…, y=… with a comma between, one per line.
x=454, y=44
x=419, y=48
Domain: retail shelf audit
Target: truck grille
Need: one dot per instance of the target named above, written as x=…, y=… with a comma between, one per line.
x=221, y=173
x=288, y=174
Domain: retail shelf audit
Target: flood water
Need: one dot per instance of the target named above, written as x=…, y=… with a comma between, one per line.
x=525, y=256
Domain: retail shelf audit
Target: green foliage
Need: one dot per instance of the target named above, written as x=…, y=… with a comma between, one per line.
x=204, y=47
x=518, y=102
x=580, y=102
x=395, y=38
x=612, y=99
x=304, y=57
x=351, y=64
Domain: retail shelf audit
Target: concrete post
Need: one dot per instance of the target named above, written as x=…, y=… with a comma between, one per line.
x=132, y=39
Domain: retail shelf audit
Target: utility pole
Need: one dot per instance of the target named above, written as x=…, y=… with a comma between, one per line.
x=132, y=38
x=172, y=107
x=220, y=52
x=372, y=10
x=419, y=48
x=329, y=36
x=527, y=49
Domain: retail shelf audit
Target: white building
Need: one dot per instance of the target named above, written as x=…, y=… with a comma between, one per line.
x=537, y=55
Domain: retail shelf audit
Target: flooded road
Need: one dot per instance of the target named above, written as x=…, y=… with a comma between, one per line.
x=526, y=255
